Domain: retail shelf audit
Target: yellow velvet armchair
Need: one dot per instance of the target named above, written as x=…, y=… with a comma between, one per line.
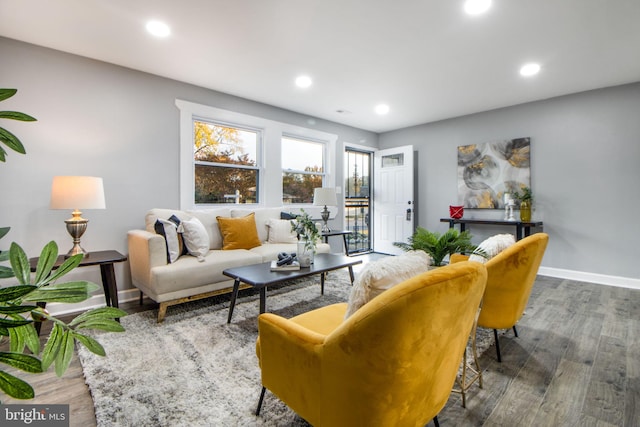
x=393, y=362
x=511, y=275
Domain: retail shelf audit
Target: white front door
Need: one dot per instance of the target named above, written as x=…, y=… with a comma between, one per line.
x=392, y=198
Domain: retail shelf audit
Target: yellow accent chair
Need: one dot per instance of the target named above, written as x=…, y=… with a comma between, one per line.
x=511, y=275
x=393, y=362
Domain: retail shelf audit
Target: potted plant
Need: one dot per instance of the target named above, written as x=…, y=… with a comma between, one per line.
x=21, y=302
x=437, y=245
x=308, y=236
x=526, y=201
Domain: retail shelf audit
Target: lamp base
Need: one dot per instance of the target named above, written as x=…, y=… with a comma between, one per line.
x=76, y=226
x=325, y=218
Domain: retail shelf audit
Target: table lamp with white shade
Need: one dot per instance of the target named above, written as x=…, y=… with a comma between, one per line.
x=77, y=192
x=325, y=196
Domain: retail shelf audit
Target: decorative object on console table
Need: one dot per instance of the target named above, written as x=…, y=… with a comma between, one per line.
x=526, y=202
x=325, y=196
x=77, y=192
x=456, y=212
x=509, y=204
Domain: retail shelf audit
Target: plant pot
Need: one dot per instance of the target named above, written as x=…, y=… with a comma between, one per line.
x=305, y=254
x=525, y=211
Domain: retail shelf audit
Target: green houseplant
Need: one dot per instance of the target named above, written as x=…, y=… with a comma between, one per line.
x=526, y=201
x=21, y=302
x=437, y=245
x=308, y=236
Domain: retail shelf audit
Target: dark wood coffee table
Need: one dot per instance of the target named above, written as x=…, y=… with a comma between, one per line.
x=260, y=275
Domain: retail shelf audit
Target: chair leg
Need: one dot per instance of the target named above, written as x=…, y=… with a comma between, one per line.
x=495, y=334
x=141, y=296
x=260, y=401
x=515, y=331
x=435, y=421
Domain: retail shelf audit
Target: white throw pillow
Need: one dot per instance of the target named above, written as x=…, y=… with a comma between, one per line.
x=169, y=230
x=195, y=238
x=280, y=231
x=378, y=276
x=493, y=246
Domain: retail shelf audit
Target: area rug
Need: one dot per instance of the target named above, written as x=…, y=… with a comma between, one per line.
x=194, y=369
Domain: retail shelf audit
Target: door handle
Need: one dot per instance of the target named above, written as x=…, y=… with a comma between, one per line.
x=409, y=214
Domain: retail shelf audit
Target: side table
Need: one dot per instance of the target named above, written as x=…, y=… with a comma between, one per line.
x=343, y=233
x=105, y=259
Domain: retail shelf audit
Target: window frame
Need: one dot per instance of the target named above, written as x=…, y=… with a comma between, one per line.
x=270, y=171
x=324, y=145
x=259, y=149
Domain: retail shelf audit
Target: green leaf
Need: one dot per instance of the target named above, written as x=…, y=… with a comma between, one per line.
x=3, y=154
x=13, y=292
x=20, y=264
x=92, y=345
x=14, y=115
x=15, y=387
x=52, y=346
x=31, y=337
x=46, y=260
x=16, y=341
x=68, y=265
x=4, y=231
x=102, y=324
x=16, y=309
x=99, y=313
x=7, y=93
x=24, y=362
x=5, y=272
x=4, y=332
x=11, y=141
x=63, y=359
x=69, y=292
x=9, y=323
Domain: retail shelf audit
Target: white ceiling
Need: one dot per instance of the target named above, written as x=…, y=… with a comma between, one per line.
x=427, y=59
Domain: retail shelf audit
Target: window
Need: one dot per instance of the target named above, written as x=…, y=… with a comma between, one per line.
x=226, y=163
x=302, y=169
x=230, y=157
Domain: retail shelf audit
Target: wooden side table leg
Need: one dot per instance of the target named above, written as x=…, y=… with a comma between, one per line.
x=109, y=284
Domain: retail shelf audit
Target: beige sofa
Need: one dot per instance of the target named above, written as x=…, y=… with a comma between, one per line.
x=188, y=278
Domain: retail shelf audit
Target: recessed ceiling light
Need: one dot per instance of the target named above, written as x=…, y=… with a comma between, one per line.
x=476, y=7
x=158, y=29
x=303, y=81
x=382, y=109
x=530, y=69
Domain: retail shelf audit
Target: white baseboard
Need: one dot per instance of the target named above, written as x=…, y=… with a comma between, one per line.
x=581, y=276
x=96, y=301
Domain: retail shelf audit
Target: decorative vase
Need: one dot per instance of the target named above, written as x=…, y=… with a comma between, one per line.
x=305, y=253
x=525, y=211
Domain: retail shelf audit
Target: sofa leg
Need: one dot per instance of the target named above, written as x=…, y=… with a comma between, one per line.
x=162, y=311
x=260, y=401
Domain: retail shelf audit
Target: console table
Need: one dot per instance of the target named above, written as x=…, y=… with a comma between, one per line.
x=521, y=227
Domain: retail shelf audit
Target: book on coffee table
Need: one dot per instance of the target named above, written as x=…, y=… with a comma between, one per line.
x=295, y=265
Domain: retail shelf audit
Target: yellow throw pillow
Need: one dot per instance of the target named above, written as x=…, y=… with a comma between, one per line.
x=239, y=233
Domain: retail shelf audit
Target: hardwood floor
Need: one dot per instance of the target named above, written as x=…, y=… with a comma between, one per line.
x=576, y=362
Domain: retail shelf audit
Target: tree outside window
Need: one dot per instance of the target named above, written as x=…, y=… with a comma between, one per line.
x=226, y=164
x=302, y=169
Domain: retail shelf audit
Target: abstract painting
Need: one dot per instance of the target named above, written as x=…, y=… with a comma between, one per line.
x=486, y=171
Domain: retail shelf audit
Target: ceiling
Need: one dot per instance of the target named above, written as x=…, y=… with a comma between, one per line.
x=426, y=59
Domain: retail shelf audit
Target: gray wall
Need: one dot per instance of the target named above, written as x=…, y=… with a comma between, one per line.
x=103, y=120
x=585, y=155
